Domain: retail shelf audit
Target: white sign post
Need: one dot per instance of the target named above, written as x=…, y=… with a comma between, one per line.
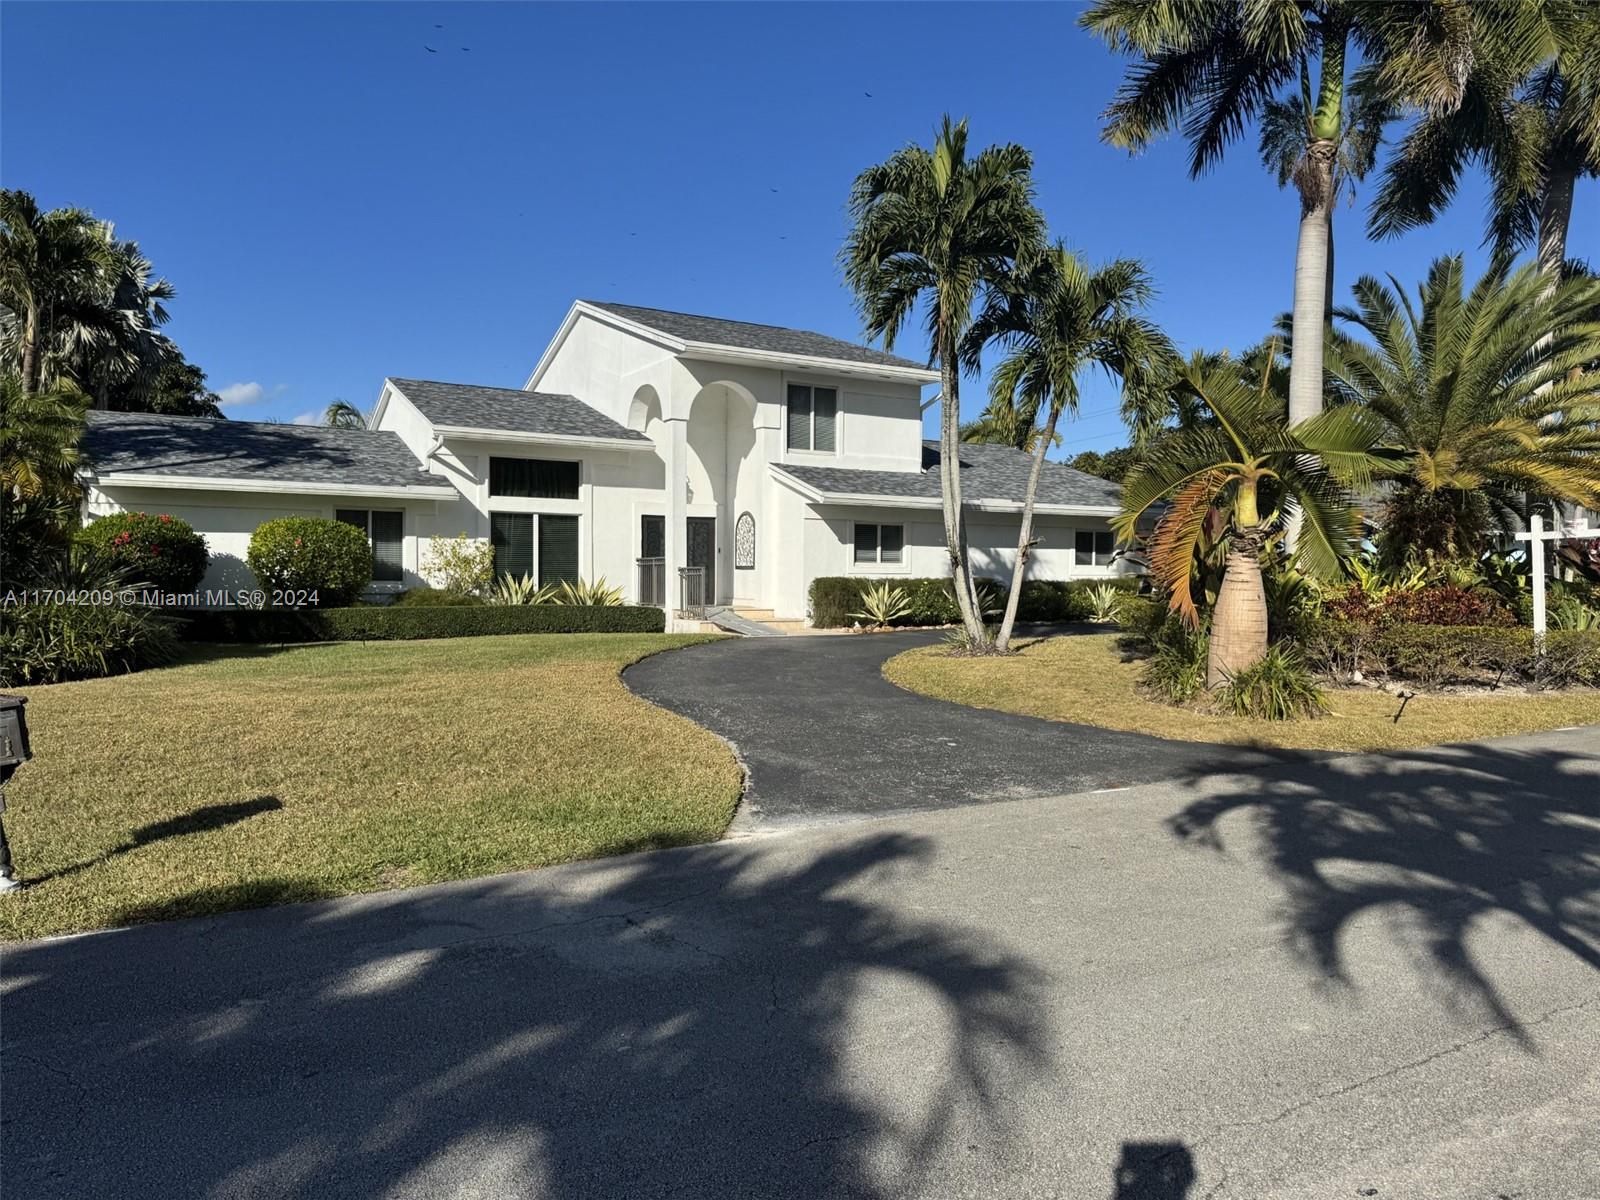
x=1536, y=537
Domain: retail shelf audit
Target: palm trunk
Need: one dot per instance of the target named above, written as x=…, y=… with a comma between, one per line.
x=1239, y=625
x=955, y=525
x=1311, y=265
x=30, y=350
x=1555, y=215
x=1019, y=571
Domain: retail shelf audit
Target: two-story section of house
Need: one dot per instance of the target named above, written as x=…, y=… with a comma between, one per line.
x=692, y=460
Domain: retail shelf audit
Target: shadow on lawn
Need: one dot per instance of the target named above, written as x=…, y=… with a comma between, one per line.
x=1510, y=831
x=200, y=820
x=683, y=1023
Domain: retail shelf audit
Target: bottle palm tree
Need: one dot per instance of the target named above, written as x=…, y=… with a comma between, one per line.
x=1055, y=316
x=930, y=228
x=1490, y=394
x=1242, y=464
x=341, y=414
x=1531, y=118
x=1216, y=68
x=49, y=263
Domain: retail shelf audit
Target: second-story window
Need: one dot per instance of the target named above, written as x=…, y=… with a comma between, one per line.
x=813, y=414
x=533, y=478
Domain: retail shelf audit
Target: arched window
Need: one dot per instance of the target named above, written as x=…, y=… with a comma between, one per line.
x=744, y=543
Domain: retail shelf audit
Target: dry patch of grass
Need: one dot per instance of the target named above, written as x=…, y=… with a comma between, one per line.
x=1086, y=679
x=245, y=777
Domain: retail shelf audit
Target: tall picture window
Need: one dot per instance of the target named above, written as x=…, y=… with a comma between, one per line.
x=543, y=546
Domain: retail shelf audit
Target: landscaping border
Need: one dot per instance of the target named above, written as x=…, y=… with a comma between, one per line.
x=403, y=624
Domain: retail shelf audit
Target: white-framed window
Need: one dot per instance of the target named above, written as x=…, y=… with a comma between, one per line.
x=385, y=530
x=813, y=418
x=543, y=546
x=1093, y=547
x=880, y=543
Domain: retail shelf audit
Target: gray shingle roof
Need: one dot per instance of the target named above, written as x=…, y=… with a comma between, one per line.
x=153, y=444
x=510, y=410
x=743, y=335
x=988, y=473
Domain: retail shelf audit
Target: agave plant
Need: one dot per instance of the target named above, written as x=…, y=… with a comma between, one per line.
x=1103, y=600
x=883, y=604
x=577, y=593
x=513, y=590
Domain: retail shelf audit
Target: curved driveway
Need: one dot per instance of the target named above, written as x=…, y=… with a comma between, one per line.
x=827, y=738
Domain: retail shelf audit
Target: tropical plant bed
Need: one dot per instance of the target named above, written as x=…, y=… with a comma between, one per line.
x=253, y=776
x=1086, y=679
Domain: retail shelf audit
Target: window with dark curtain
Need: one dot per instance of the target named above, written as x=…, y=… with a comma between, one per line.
x=384, y=529
x=825, y=413
x=533, y=478
x=1092, y=547
x=866, y=543
x=558, y=549
x=799, y=417
x=511, y=535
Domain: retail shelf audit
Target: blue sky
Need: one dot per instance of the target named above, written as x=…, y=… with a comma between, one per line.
x=335, y=203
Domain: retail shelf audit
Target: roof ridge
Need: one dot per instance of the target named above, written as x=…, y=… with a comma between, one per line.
x=482, y=387
x=678, y=312
x=233, y=423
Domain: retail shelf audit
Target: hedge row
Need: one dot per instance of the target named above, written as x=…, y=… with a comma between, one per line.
x=398, y=624
x=1432, y=655
x=933, y=601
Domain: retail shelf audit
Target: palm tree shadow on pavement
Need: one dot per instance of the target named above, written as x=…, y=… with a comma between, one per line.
x=691, y=1027
x=1508, y=831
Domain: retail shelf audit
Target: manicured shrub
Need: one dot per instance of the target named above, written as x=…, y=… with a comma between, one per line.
x=53, y=643
x=426, y=597
x=150, y=548
x=399, y=624
x=311, y=555
x=1434, y=655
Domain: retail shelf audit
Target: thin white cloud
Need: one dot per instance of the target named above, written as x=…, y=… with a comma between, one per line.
x=238, y=395
x=307, y=418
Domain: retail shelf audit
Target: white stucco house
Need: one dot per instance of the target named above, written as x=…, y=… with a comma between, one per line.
x=690, y=460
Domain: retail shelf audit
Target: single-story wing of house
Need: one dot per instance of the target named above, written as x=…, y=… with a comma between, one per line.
x=692, y=461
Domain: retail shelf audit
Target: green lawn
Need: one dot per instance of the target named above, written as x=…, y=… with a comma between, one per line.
x=245, y=777
x=1086, y=679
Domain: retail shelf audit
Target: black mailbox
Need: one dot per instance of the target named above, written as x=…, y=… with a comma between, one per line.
x=14, y=751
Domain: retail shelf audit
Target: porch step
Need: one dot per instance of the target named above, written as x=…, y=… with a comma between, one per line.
x=764, y=615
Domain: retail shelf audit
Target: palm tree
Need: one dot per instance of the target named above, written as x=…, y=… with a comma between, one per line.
x=48, y=263
x=1215, y=68
x=1055, y=316
x=110, y=339
x=39, y=433
x=931, y=228
x=1243, y=464
x=1531, y=116
x=1491, y=395
x=341, y=414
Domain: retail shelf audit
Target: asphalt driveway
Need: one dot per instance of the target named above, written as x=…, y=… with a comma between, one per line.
x=826, y=737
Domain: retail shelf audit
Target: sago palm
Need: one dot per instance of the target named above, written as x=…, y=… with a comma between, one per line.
x=1490, y=394
x=1213, y=69
x=1243, y=464
x=1054, y=317
x=930, y=228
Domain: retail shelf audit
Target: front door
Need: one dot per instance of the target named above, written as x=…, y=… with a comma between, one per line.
x=702, y=552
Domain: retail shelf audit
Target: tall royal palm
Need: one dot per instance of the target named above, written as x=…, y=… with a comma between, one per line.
x=1530, y=115
x=49, y=263
x=1239, y=461
x=1055, y=317
x=1485, y=392
x=1213, y=69
x=932, y=227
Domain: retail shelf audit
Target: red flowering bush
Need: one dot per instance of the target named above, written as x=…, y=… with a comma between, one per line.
x=1436, y=604
x=157, y=549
